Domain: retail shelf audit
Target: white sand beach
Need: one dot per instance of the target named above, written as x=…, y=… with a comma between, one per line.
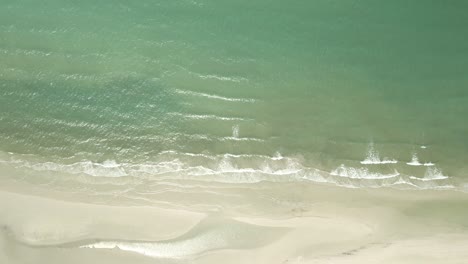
x=66, y=230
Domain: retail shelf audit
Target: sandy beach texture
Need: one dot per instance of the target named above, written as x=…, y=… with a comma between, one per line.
x=328, y=225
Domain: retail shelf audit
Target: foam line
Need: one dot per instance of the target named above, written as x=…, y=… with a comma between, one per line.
x=360, y=173
x=222, y=78
x=214, y=117
x=242, y=139
x=230, y=168
x=213, y=96
x=414, y=161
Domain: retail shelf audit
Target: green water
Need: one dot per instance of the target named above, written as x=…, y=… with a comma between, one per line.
x=236, y=91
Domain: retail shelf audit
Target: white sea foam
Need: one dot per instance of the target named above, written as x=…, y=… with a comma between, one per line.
x=106, y=169
x=434, y=174
x=214, y=117
x=401, y=181
x=373, y=157
x=361, y=173
x=414, y=161
x=234, y=168
x=162, y=167
x=241, y=139
x=215, y=138
x=315, y=175
x=373, y=162
x=235, y=131
x=423, y=179
x=187, y=154
x=222, y=78
x=276, y=157
x=213, y=96
x=431, y=174
x=227, y=166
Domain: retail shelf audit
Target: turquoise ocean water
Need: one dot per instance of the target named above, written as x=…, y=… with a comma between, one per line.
x=349, y=93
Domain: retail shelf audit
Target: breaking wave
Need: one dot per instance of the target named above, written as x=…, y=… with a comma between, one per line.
x=373, y=157
x=236, y=168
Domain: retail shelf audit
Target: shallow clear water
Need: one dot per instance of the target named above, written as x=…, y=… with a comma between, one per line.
x=355, y=93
